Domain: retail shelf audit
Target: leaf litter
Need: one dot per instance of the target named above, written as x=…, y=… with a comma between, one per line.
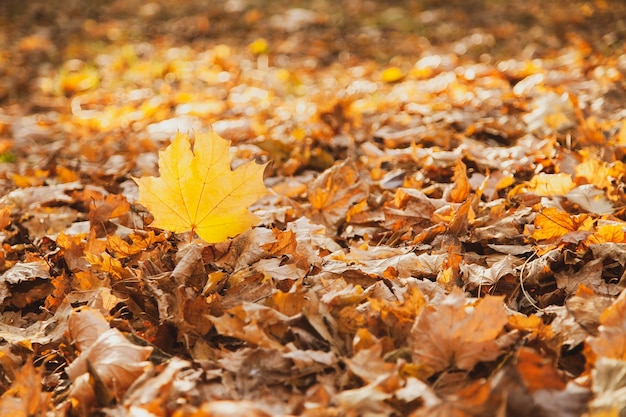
x=442, y=232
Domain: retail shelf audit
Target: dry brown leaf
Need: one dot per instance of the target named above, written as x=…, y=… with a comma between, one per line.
x=73, y=251
x=110, y=360
x=477, y=276
x=369, y=365
x=84, y=326
x=333, y=193
x=587, y=306
x=611, y=339
x=591, y=199
x=458, y=334
x=256, y=324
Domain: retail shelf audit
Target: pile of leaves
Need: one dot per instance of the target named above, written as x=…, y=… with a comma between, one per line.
x=341, y=210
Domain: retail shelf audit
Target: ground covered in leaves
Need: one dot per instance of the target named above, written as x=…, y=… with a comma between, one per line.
x=444, y=232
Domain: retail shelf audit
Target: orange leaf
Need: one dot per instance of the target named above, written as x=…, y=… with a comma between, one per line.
x=462, y=218
x=608, y=233
x=198, y=192
x=25, y=396
x=461, y=189
x=404, y=312
x=123, y=249
x=537, y=371
x=532, y=324
x=552, y=223
x=5, y=216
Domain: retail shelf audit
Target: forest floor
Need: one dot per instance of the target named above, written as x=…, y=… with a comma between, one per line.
x=443, y=232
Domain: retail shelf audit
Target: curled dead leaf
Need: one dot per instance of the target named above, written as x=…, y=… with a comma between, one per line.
x=109, y=363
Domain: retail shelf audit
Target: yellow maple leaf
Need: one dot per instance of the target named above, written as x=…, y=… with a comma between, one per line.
x=198, y=192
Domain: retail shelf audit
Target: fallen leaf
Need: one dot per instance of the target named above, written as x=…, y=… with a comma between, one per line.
x=551, y=184
x=102, y=209
x=461, y=187
x=334, y=192
x=107, y=358
x=252, y=323
x=552, y=224
x=590, y=274
x=458, y=334
x=611, y=339
x=85, y=326
x=594, y=171
x=475, y=399
x=138, y=243
x=198, y=192
x=5, y=216
x=609, y=387
x=25, y=397
x=586, y=306
x=537, y=371
x=606, y=233
x=476, y=276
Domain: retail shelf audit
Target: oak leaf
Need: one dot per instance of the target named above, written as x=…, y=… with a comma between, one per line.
x=198, y=192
